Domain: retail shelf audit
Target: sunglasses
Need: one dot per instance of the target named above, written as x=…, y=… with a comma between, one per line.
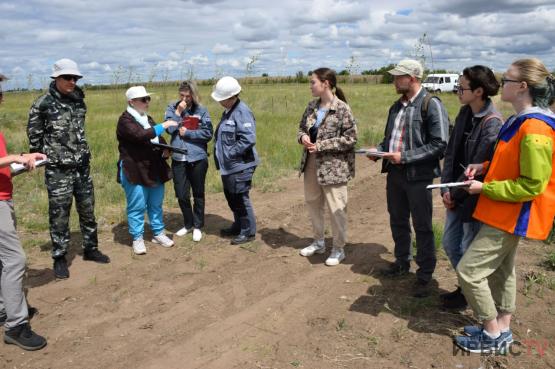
x=69, y=77
x=143, y=99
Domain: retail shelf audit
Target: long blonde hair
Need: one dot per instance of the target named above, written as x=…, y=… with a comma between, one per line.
x=193, y=90
x=540, y=81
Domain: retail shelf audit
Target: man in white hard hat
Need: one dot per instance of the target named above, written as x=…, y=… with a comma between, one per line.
x=56, y=127
x=415, y=139
x=236, y=158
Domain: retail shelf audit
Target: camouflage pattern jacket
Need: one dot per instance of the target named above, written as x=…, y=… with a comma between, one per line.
x=56, y=128
x=335, y=142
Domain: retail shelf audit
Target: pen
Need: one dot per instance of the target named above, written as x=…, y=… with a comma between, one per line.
x=462, y=166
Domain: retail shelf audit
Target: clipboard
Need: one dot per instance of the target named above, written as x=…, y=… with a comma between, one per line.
x=17, y=168
x=448, y=185
x=169, y=147
x=378, y=154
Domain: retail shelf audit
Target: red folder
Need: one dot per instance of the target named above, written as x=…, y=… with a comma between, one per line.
x=191, y=122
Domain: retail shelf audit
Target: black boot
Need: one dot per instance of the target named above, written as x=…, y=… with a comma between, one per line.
x=96, y=256
x=456, y=301
x=396, y=269
x=60, y=268
x=24, y=337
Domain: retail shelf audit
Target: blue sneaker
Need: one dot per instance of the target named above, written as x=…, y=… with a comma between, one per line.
x=483, y=344
x=473, y=330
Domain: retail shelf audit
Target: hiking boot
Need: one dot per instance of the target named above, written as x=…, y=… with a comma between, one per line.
x=316, y=247
x=60, y=268
x=474, y=330
x=481, y=343
x=163, y=240
x=421, y=288
x=242, y=238
x=336, y=256
x=395, y=270
x=139, y=247
x=455, y=301
x=24, y=337
x=197, y=235
x=96, y=256
x=229, y=232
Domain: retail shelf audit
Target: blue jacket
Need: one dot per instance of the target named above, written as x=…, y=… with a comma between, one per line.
x=194, y=141
x=235, y=138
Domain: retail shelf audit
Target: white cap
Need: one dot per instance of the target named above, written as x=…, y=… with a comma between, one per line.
x=65, y=66
x=136, y=92
x=225, y=88
x=408, y=66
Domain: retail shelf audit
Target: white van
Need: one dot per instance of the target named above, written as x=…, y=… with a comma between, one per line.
x=441, y=82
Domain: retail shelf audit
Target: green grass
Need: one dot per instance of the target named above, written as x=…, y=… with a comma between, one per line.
x=277, y=108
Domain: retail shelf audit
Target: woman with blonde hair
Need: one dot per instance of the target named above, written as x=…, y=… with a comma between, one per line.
x=189, y=170
x=517, y=199
x=328, y=134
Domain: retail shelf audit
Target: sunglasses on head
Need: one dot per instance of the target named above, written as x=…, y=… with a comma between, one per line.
x=143, y=99
x=69, y=77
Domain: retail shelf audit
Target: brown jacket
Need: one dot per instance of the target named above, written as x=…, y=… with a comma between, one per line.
x=335, y=142
x=142, y=163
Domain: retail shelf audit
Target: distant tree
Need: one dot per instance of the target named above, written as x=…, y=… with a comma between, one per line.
x=344, y=72
x=264, y=74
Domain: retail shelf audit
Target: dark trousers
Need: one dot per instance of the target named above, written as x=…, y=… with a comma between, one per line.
x=236, y=191
x=187, y=176
x=406, y=199
x=63, y=184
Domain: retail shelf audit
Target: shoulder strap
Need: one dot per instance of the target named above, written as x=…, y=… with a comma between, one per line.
x=491, y=116
x=425, y=103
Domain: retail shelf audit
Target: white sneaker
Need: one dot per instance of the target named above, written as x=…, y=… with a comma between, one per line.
x=197, y=235
x=139, y=247
x=163, y=240
x=317, y=246
x=335, y=257
x=182, y=232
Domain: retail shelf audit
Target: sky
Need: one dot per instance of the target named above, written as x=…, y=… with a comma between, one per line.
x=157, y=40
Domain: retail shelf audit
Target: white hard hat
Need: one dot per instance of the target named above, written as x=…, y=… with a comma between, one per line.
x=225, y=88
x=65, y=66
x=135, y=92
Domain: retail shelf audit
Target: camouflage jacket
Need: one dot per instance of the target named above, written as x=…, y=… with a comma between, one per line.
x=335, y=142
x=56, y=128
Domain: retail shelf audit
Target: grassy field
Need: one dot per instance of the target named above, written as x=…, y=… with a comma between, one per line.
x=277, y=107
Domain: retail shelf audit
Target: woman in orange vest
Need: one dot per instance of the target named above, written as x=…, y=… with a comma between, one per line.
x=517, y=199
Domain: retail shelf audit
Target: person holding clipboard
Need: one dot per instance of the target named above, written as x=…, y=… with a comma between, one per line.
x=189, y=169
x=142, y=168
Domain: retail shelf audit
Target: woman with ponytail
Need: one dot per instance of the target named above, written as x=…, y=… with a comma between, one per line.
x=517, y=199
x=328, y=134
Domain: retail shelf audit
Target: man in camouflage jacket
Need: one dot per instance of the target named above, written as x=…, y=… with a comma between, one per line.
x=57, y=127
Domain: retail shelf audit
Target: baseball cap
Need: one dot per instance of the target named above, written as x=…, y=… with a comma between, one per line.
x=408, y=66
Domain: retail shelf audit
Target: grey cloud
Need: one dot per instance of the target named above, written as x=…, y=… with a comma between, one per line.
x=467, y=8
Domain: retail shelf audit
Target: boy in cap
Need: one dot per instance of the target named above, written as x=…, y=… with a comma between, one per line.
x=56, y=127
x=415, y=140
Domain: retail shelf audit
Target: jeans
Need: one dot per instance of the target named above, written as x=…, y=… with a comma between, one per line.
x=187, y=176
x=141, y=198
x=457, y=235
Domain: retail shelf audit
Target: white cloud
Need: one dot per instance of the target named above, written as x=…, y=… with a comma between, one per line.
x=222, y=49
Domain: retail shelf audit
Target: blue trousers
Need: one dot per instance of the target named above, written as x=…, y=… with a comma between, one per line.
x=141, y=198
x=457, y=235
x=236, y=191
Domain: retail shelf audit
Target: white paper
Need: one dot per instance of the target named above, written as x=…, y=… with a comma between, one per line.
x=18, y=168
x=371, y=152
x=448, y=185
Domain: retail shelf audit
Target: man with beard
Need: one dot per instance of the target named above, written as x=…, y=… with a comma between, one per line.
x=57, y=128
x=415, y=140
